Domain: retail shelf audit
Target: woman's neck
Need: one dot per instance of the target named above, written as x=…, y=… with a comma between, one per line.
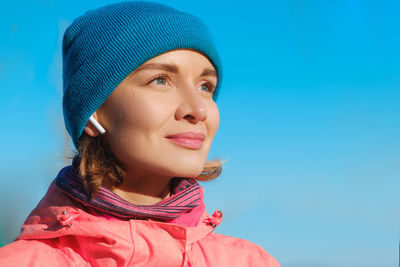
x=143, y=188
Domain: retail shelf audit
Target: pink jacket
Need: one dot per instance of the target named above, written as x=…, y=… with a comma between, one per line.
x=58, y=232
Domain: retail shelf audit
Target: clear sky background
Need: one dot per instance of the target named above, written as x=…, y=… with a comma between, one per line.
x=310, y=124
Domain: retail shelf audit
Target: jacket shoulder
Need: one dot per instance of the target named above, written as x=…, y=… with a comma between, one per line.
x=238, y=251
x=38, y=253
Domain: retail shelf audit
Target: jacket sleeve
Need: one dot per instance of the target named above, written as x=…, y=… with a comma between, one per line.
x=267, y=260
x=257, y=256
x=38, y=253
x=222, y=250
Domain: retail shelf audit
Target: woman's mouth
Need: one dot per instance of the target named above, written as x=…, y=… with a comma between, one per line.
x=190, y=140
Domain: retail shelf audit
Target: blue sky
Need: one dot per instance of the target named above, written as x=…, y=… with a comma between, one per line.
x=310, y=122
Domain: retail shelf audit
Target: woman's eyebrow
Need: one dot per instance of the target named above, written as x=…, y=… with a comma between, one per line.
x=172, y=69
x=209, y=72
x=159, y=66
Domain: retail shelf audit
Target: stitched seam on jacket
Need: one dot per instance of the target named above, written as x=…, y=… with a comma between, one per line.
x=132, y=232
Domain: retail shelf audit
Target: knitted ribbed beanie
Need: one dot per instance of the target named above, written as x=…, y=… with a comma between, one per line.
x=104, y=45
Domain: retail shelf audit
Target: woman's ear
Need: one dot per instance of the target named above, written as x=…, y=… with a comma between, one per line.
x=93, y=128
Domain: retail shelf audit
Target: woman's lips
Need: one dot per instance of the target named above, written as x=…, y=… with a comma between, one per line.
x=189, y=140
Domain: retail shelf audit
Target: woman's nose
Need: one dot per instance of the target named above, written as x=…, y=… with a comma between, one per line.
x=192, y=107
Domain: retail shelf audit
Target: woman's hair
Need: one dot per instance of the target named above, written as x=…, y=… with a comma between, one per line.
x=98, y=166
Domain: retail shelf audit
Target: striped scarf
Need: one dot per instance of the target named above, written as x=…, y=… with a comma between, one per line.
x=186, y=195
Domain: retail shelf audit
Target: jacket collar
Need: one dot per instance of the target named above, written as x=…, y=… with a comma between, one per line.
x=186, y=197
x=59, y=215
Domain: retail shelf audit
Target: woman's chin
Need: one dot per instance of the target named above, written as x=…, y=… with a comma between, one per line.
x=187, y=171
x=184, y=166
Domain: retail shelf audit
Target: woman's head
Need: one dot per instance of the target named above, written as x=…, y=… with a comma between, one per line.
x=149, y=74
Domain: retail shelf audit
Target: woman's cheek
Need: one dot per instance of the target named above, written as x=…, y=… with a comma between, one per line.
x=150, y=112
x=213, y=116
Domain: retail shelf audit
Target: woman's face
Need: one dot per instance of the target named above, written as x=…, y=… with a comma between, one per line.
x=162, y=118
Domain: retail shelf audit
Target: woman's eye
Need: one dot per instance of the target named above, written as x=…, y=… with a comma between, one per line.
x=160, y=80
x=208, y=87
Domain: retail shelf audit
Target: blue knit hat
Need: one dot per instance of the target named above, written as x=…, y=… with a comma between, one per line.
x=105, y=45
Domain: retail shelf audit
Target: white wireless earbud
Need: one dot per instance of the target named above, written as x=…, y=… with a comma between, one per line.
x=97, y=125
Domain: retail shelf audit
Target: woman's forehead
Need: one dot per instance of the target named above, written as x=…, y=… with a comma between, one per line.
x=180, y=60
x=180, y=56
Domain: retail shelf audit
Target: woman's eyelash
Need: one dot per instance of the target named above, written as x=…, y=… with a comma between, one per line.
x=158, y=77
x=211, y=86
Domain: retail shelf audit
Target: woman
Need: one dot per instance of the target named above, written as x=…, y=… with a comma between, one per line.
x=140, y=83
